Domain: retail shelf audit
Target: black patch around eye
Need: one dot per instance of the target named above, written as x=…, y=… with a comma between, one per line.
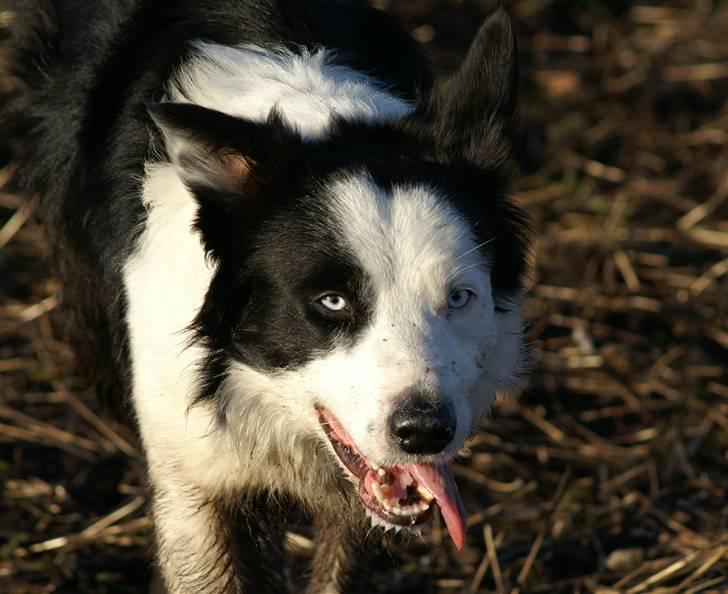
x=260, y=309
x=337, y=275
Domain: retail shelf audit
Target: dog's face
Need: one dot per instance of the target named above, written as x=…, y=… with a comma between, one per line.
x=367, y=283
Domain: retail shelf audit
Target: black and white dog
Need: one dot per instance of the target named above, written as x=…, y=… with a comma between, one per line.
x=289, y=252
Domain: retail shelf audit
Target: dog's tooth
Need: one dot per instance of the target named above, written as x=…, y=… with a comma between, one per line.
x=416, y=509
x=385, y=489
x=377, y=490
x=425, y=493
x=381, y=473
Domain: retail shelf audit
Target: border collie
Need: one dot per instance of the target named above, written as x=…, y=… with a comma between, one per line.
x=287, y=252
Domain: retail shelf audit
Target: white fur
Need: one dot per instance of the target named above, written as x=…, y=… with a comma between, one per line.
x=308, y=89
x=166, y=282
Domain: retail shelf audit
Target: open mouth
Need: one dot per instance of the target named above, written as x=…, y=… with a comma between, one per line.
x=402, y=495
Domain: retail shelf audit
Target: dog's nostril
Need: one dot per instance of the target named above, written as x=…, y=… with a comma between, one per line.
x=422, y=428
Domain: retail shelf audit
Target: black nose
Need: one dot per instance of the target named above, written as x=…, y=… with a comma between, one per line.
x=421, y=427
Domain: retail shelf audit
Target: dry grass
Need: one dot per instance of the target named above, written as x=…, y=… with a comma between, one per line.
x=611, y=473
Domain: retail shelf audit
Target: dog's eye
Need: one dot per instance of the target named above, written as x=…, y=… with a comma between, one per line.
x=459, y=298
x=333, y=302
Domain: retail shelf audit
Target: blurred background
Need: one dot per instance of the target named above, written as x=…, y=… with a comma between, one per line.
x=610, y=474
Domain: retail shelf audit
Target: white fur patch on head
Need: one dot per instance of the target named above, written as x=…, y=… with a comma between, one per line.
x=412, y=244
x=309, y=88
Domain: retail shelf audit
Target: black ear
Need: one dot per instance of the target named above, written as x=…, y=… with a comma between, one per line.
x=222, y=157
x=488, y=78
x=473, y=115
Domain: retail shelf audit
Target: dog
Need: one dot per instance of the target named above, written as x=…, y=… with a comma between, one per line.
x=287, y=252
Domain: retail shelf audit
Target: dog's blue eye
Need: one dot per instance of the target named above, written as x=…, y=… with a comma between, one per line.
x=333, y=302
x=459, y=298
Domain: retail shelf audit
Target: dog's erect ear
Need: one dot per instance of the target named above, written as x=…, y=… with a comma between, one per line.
x=473, y=114
x=222, y=158
x=488, y=78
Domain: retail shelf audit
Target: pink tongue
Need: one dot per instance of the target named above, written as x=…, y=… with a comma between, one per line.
x=438, y=480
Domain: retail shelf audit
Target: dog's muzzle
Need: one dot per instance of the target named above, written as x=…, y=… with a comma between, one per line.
x=401, y=495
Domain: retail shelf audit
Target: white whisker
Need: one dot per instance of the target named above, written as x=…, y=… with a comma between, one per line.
x=477, y=247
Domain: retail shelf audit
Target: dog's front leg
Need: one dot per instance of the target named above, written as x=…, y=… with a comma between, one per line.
x=344, y=555
x=215, y=546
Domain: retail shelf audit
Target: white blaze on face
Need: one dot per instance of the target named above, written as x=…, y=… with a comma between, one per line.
x=415, y=248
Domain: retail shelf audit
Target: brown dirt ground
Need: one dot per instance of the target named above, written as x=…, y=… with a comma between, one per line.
x=611, y=472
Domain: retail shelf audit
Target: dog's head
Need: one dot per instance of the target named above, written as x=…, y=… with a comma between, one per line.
x=367, y=283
